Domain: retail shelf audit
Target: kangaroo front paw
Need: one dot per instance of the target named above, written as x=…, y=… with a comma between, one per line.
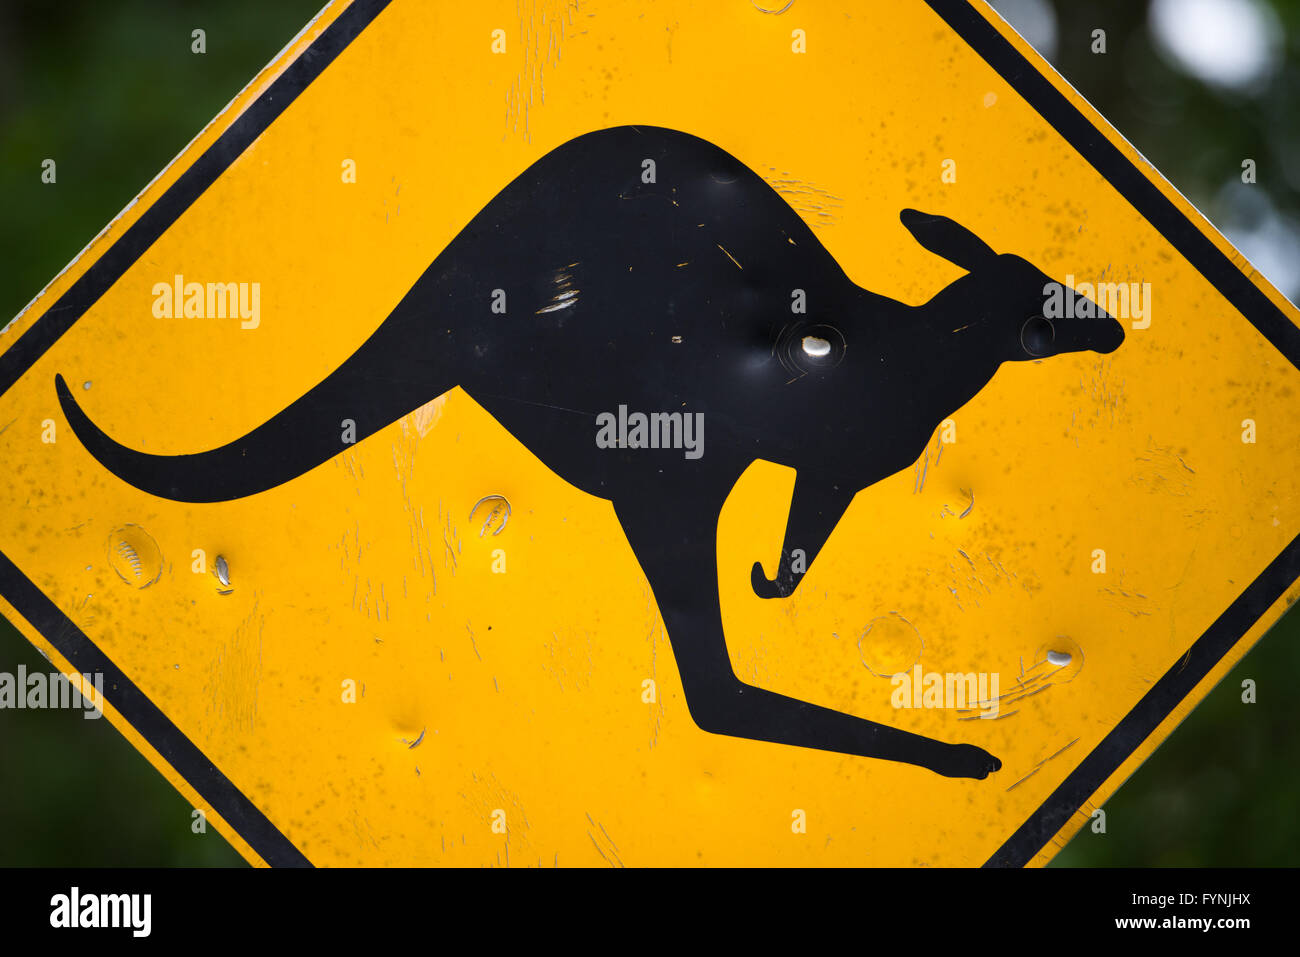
x=967, y=761
x=764, y=587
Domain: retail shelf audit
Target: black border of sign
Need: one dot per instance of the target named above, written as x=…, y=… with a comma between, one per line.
x=1093, y=145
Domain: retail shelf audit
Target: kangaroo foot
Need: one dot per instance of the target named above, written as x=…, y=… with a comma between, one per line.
x=967, y=761
x=782, y=586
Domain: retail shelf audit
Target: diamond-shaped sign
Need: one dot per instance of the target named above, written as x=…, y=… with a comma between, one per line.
x=607, y=434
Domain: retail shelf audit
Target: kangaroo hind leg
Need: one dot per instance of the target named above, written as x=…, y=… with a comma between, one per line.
x=676, y=546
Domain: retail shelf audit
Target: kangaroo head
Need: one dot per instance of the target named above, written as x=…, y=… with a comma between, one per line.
x=1002, y=301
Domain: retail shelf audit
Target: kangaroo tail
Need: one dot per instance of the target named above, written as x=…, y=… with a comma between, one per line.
x=358, y=399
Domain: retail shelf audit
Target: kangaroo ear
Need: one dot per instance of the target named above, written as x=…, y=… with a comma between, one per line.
x=947, y=238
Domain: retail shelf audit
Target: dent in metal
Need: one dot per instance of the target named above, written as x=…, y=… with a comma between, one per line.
x=495, y=508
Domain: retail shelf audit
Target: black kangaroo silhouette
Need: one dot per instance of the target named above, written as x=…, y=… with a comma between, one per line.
x=670, y=287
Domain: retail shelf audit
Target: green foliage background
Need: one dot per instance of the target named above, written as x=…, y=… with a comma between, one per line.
x=113, y=93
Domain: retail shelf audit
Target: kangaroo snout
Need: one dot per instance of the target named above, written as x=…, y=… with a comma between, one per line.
x=1048, y=318
x=1102, y=333
x=1073, y=321
x=1042, y=336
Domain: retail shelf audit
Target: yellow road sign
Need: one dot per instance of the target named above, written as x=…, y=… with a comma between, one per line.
x=617, y=435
